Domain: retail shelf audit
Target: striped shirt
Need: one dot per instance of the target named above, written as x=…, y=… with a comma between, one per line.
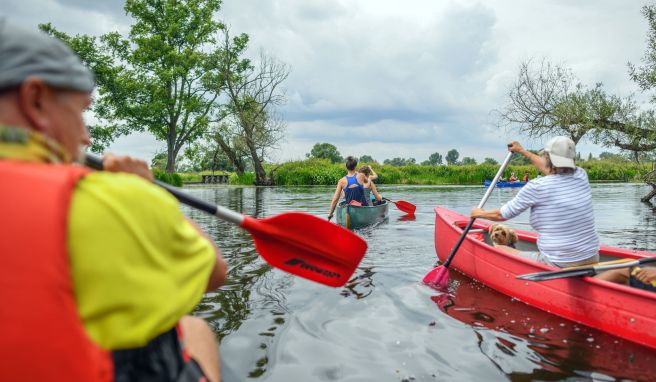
x=561, y=213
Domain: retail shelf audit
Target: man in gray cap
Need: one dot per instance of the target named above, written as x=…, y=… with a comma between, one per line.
x=99, y=269
x=560, y=204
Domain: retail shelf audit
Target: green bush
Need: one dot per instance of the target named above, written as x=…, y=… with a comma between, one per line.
x=323, y=172
x=172, y=178
x=246, y=179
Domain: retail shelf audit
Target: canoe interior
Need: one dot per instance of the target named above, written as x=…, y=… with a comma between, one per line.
x=353, y=217
x=524, y=244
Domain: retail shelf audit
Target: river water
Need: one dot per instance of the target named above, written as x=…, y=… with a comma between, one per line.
x=386, y=326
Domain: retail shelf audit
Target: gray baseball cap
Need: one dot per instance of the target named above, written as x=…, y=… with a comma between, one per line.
x=25, y=53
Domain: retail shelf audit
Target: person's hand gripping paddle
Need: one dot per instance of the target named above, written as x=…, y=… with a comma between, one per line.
x=296, y=242
x=439, y=276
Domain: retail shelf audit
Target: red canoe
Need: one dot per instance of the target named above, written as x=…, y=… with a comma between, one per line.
x=620, y=310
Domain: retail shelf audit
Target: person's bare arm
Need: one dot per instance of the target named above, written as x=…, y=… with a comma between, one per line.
x=535, y=159
x=494, y=215
x=375, y=192
x=333, y=203
x=373, y=175
x=115, y=163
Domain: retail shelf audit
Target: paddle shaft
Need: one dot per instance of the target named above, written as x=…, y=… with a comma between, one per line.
x=480, y=205
x=223, y=213
x=589, y=270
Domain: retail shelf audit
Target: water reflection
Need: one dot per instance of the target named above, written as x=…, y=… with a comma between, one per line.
x=528, y=344
x=361, y=285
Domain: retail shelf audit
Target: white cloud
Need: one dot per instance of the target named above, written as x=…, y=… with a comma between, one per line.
x=389, y=79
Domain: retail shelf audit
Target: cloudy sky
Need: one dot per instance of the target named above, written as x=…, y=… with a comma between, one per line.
x=390, y=78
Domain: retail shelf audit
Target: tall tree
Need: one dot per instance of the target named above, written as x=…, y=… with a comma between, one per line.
x=254, y=92
x=452, y=157
x=367, y=159
x=490, y=161
x=162, y=78
x=325, y=151
x=435, y=159
x=546, y=99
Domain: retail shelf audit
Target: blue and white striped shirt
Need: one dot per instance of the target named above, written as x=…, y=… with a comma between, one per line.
x=561, y=213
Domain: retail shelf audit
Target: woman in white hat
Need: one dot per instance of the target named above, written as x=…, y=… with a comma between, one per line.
x=560, y=203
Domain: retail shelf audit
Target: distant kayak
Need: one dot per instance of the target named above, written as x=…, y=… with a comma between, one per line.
x=504, y=184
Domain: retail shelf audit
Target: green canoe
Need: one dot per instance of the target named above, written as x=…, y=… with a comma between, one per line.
x=357, y=217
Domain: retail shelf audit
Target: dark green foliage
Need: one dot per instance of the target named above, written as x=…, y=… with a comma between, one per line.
x=490, y=161
x=171, y=178
x=400, y=161
x=468, y=160
x=452, y=157
x=367, y=159
x=435, y=159
x=325, y=151
x=161, y=78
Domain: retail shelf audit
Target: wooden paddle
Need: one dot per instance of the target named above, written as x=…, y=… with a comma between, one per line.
x=298, y=243
x=439, y=276
x=404, y=206
x=586, y=270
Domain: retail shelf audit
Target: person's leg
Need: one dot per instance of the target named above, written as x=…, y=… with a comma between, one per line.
x=200, y=343
x=619, y=276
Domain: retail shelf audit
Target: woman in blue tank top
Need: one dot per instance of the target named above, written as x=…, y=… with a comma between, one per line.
x=352, y=185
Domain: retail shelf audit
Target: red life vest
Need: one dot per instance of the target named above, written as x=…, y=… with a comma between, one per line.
x=41, y=335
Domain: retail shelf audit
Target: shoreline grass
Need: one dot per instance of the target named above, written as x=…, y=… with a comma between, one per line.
x=317, y=172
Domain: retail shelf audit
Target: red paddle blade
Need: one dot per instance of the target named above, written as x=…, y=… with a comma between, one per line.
x=406, y=207
x=438, y=277
x=307, y=246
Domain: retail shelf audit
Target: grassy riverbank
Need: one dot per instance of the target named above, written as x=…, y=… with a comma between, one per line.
x=318, y=172
x=322, y=172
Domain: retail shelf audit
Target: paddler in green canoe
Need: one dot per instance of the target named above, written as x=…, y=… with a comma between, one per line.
x=99, y=270
x=352, y=185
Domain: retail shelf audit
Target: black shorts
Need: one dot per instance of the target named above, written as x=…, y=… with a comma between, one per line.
x=162, y=359
x=634, y=282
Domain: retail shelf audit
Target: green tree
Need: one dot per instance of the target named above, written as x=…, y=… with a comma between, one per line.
x=468, y=160
x=159, y=161
x=398, y=162
x=367, y=159
x=520, y=160
x=325, y=151
x=452, y=157
x=612, y=157
x=547, y=100
x=254, y=92
x=490, y=161
x=161, y=78
x=435, y=159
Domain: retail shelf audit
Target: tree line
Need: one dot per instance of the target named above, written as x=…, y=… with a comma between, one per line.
x=330, y=152
x=181, y=76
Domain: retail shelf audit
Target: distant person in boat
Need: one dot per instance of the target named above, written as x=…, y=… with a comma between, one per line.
x=513, y=177
x=638, y=277
x=560, y=203
x=100, y=270
x=525, y=177
x=352, y=185
x=504, y=238
x=370, y=192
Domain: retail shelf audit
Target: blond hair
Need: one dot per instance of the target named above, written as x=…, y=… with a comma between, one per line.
x=502, y=235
